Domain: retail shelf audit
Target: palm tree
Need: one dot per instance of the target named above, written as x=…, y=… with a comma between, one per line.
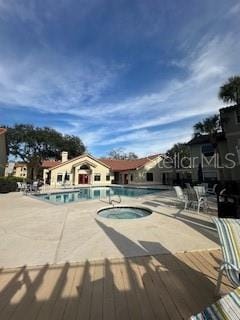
x=230, y=91
x=210, y=126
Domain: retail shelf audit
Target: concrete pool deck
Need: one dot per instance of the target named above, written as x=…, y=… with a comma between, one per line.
x=34, y=232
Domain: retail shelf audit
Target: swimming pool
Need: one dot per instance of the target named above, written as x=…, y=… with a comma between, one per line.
x=91, y=193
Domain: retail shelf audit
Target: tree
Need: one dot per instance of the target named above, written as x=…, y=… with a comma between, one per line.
x=33, y=145
x=230, y=91
x=119, y=154
x=132, y=156
x=179, y=154
x=210, y=125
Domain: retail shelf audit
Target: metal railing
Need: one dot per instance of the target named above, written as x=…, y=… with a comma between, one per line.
x=112, y=201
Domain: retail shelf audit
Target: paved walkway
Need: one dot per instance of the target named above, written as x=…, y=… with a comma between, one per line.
x=33, y=232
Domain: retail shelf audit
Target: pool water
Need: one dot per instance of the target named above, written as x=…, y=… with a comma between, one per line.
x=90, y=193
x=124, y=213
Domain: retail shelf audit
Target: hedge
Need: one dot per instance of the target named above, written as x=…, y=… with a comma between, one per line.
x=9, y=184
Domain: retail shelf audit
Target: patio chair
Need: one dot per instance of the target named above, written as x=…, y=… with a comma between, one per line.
x=213, y=189
x=201, y=190
x=181, y=196
x=227, y=308
x=188, y=185
x=196, y=198
x=201, y=198
x=229, y=235
x=19, y=186
x=205, y=185
x=35, y=186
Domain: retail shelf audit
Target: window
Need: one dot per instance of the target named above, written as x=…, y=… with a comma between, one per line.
x=208, y=150
x=59, y=178
x=107, y=177
x=210, y=176
x=97, y=177
x=84, y=167
x=238, y=115
x=131, y=177
x=149, y=176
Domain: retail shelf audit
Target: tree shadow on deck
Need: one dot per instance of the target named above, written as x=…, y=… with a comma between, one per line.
x=145, y=287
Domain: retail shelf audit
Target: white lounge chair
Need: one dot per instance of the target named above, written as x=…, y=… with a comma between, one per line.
x=227, y=308
x=229, y=235
x=181, y=196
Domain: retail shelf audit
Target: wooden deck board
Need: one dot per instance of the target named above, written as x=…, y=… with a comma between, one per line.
x=133, y=305
x=108, y=297
x=152, y=287
x=61, y=303
x=72, y=306
x=120, y=298
x=143, y=299
x=204, y=291
x=172, y=284
x=162, y=291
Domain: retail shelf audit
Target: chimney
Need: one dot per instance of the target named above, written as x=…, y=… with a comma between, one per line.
x=64, y=155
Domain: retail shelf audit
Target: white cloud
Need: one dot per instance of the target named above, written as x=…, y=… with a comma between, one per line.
x=234, y=10
x=147, y=143
x=49, y=82
x=53, y=87
x=197, y=94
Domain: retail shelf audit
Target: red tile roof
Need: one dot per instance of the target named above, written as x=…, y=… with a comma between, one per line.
x=123, y=165
x=20, y=164
x=2, y=130
x=114, y=165
x=50, y=163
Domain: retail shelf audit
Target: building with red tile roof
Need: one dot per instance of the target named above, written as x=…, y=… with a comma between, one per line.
x=86, y=169
x=123, y=165
x=18, y=169
x=47, y=164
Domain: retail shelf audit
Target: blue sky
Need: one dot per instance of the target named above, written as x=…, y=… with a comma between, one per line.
x=119, y=74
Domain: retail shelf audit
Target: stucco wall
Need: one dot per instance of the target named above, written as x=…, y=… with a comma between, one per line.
x=73, y=169
x=232, y=133
x=20, y=171
x=196, y=156
x=140, y=176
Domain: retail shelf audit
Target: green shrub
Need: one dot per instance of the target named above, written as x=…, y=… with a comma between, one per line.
x=9, y=184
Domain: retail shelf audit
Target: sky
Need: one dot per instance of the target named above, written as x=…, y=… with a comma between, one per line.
x=131, y=74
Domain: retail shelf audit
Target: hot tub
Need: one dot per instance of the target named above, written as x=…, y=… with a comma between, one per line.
x=121, y=212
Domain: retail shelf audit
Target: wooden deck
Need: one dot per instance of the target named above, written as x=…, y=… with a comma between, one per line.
x=153, y=287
